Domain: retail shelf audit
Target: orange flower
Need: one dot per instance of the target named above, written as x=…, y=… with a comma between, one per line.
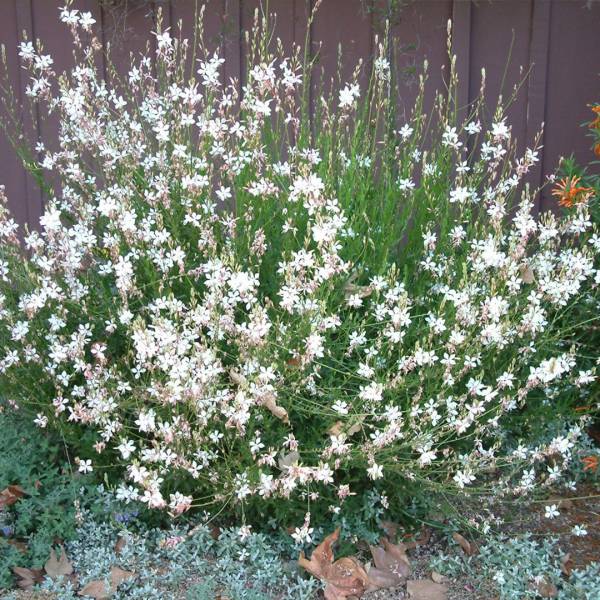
x=569, y=193
x=597, y=149
x=590, y=463
x=595, y=124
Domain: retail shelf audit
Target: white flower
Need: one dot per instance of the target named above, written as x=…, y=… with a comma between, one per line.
x=499, y=577
x=85, y=466
x=41, y=420
x=463, y=478
x=500, y=131
x=348, y=95
x=126, y=448
x=551, y=511
x=86, y=20
x=460, y=194
x=579, y=531
x=405, y=131
x=473, y=127
x=340, y=407
x=406, y=185
x=375, y=471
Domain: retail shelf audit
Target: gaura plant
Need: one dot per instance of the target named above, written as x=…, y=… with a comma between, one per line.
x=235, y=301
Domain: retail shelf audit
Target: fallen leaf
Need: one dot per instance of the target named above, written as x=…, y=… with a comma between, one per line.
x=426, y=590
x=438, y=577
x=118, y=576
x=321, y=557
x=390, y=528
x=344, y=577
x=28, y=577
x=58, y=567
x=382, y=579
x=10, y=494
x=96, y=589
x=120, y=545
x=420, y=541
x=566, y=565
x=392, y=566
x=469, y=548
x=546, y=589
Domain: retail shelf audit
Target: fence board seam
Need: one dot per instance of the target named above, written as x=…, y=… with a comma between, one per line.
x=538, y=79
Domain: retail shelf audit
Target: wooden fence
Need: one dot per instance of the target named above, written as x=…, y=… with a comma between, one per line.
x=560, y=39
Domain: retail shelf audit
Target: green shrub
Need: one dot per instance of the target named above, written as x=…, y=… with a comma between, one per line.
x=237, y=305
x=48, y=510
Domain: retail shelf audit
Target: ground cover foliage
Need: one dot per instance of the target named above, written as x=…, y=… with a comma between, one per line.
x=243, y=307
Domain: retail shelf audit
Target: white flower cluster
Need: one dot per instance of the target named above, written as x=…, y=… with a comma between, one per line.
x=220, y=353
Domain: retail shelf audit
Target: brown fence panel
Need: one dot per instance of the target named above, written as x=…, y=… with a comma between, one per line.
x=573, y=82
x=559, y=38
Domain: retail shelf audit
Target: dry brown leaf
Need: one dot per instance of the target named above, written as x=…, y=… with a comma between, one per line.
x=321, y=557
x=118, y=576
x=294, y=362
x=469, y=548
x=96, y=589
x=390, y=528
x=426, y=590
x=28, y=577
x=121, y=543
x=344, y=577
x=420, y=541
x=56, y=567
x=237, y=378
x=382, y=579
x=546, y=589
x=527, y=274
x=10, y=494
x=269, y=401
x=566, y=565
x=392, y=566
x=438, y=577
x=336, y=428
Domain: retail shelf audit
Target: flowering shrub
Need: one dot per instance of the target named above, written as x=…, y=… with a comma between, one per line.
x=231, y=301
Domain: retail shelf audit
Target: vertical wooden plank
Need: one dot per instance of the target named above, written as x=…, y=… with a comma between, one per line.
x=538, y=82
x=349, y=29
x=232, y=43
x=572, y=85
x=419, y=33
x=31, y=119
x=500, y=43
x=127, y=32
x=461, y=48
x=12, y=175
x=184, y=19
